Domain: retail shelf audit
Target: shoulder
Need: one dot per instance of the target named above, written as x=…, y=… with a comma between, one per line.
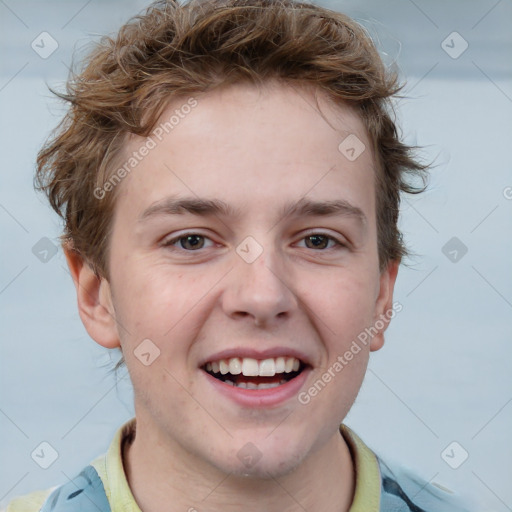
x=84, y=493
x=388, y=487
x=403, y=490
x=88, y=491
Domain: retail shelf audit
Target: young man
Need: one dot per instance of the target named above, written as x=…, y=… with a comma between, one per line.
x=229, y=176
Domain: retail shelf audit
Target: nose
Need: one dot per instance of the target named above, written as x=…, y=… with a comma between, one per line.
x=259, y=291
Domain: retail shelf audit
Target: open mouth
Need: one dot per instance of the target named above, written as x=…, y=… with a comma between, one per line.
x=249, y=373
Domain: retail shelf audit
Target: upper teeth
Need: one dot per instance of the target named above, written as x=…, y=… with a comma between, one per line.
x=250, y=367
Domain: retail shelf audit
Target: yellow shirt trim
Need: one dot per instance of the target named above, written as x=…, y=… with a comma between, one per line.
x=31, y=502
x=368, y=479
x=111, y=471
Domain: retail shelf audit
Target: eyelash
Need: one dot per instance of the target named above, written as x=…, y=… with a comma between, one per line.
x=169, y=243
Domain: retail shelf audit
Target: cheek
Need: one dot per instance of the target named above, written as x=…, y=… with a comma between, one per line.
x=161, y=390
x=156, y=298
x=344, y=300
x=163, y=306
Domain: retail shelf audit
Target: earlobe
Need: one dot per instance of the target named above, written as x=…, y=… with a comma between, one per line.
x=94, y=300
x=384, y=304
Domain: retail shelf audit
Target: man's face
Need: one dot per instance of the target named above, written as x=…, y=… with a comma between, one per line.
x=252, y=268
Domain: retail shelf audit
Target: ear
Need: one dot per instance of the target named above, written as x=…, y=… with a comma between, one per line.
x=384, y=304
x=95, y=305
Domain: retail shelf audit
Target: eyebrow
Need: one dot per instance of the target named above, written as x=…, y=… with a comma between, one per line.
x=215, y=207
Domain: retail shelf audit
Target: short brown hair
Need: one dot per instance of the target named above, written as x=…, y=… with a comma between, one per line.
x=175, y=50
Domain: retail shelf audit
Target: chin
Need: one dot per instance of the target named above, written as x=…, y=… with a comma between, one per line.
x=265, y=470
x=269, y=462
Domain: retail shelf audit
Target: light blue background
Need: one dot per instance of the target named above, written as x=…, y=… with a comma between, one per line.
x=445, y=372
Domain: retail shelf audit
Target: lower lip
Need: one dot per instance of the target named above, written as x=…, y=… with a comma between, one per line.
x=261, y=397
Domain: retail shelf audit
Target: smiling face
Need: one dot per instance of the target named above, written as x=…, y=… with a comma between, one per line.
x=244, y=247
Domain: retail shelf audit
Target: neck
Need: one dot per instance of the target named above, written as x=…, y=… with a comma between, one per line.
x=157, y=477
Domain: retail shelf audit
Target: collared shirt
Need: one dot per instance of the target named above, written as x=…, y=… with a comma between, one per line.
x=103, y=485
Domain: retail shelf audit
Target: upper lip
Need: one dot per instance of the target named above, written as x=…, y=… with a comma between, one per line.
x=243, y=352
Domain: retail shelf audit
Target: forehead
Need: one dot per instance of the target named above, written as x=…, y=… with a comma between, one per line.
x=253, y=147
